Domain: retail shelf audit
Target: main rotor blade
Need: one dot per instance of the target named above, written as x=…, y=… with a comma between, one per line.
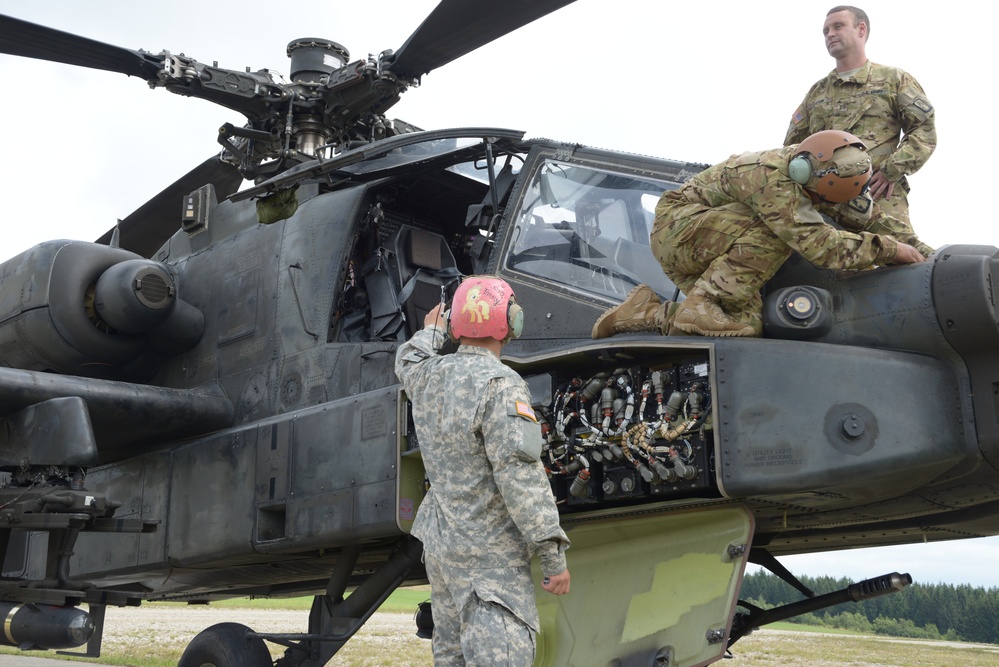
x=30, y=40
x=152, y=224
x=456, y=27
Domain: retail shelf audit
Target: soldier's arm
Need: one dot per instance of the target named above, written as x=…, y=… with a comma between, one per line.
x=797, y=130
x=512, y=438
x=785, y=208
x=882, y=223
x=919, y=139
x=422, y=346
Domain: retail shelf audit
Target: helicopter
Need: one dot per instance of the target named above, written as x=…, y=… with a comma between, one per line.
x=201, y=404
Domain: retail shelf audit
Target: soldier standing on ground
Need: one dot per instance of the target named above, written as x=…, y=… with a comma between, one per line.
x=884, y=106
x=725, y=232
x=489, y=508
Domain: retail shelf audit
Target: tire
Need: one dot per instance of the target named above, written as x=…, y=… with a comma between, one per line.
x=225, y=645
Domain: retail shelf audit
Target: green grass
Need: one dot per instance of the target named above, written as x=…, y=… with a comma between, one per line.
x=809, y=647
x=820, y=629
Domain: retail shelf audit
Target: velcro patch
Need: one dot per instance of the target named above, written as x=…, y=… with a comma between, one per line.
x=862, y=204
x=524, y=410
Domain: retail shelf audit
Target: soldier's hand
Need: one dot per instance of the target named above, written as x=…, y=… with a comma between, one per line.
x=880, y=186
x=906, y=254
x=435, y=318
x=557, y=584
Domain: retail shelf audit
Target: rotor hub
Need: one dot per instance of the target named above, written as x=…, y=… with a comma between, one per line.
x=314, y=59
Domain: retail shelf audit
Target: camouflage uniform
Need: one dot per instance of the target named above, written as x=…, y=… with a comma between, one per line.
x=489, y=507
x=729, y=228
x=877, y=103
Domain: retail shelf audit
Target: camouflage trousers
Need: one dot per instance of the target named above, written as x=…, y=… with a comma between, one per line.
x=726, y=251
x=474, y=625
x=897, y=206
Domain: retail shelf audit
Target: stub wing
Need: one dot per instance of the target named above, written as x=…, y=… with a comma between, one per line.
x=124, y=417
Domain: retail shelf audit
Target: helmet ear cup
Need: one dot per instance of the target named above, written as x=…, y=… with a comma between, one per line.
x=514, y=320
x=800, y=169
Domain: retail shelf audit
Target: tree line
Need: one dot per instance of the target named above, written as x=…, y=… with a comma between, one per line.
x=934, y=611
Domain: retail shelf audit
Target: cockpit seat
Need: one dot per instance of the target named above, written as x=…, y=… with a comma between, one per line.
x=425, y=265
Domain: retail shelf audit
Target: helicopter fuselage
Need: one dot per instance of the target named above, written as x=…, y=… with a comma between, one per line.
x=259, y=440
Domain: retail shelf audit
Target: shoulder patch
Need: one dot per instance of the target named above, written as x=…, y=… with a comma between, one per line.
x=522, y=409
x=862, y=204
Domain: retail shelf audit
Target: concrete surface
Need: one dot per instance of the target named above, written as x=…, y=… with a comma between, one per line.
x=35, y=660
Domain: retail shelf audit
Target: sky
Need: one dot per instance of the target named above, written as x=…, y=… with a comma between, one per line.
x=694, y=81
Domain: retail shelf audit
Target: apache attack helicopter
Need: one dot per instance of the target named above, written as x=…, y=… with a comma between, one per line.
x=202, y=405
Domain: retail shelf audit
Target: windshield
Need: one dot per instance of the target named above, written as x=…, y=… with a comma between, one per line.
x=589, y=228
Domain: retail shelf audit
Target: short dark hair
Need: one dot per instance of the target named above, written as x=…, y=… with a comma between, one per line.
x=859, y=15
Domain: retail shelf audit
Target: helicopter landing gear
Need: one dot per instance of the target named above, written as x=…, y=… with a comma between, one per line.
x=226, y=645
x=335, y=617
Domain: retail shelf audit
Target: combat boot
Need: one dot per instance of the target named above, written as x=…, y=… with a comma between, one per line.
x=654, y=321
x=637, y=313
x=700, y=314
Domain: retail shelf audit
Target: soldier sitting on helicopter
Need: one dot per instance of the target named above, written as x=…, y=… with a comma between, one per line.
x=723, y=234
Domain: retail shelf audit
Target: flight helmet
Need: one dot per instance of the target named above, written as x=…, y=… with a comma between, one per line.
x=485, y=307
x=833, y=164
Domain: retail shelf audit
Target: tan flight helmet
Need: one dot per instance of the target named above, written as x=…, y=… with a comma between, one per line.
x=833, y=164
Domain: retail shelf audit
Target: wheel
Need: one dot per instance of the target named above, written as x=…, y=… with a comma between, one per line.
x=225, y=645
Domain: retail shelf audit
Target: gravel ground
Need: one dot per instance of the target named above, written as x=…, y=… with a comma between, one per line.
x=161, y=629
x=178, y=625
x=391, y=639
x=775, y=635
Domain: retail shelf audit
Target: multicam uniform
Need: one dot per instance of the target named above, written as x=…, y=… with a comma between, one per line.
x=876, y=103
x=729, y=228
x=489, y=507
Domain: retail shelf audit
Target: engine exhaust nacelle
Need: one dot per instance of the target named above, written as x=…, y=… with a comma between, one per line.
x=92, y=310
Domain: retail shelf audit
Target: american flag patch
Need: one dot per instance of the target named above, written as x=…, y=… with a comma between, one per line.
x=525, y=410
x=797, y=116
